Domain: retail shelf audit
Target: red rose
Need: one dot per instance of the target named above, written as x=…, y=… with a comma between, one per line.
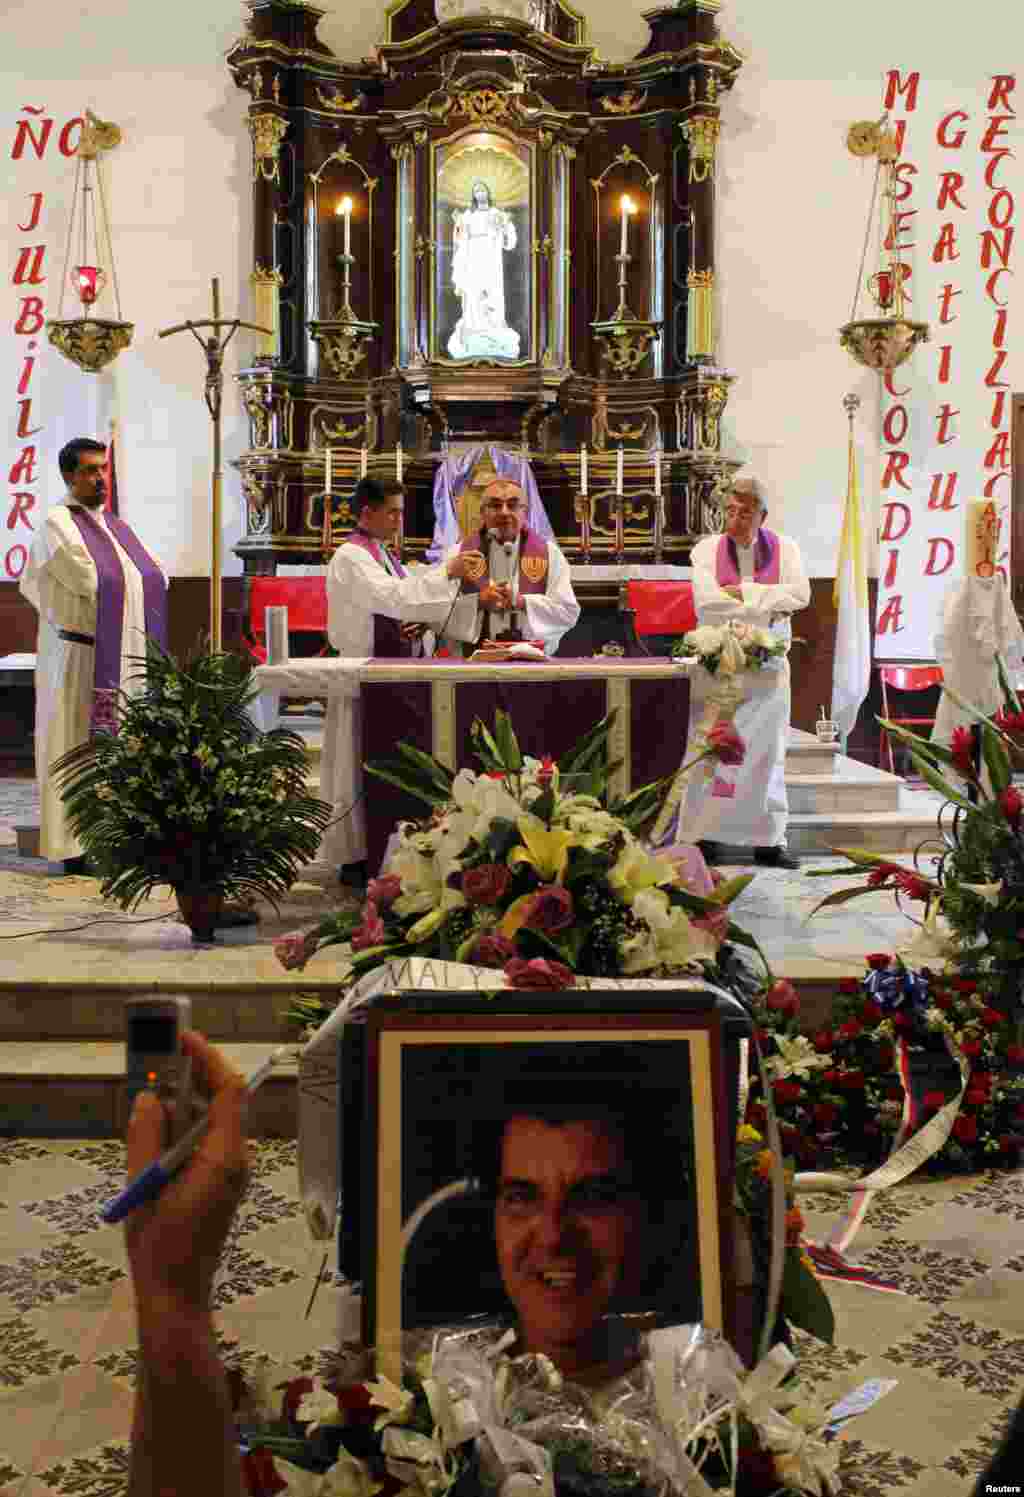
x=1015, y=1055
x=964, y=984
x=823, y=1041
x=782, y=997
x=975, y=1098
x=879, y=960
x=830, y=1077
x=490, y=950
x=932, y=1101
x=852, y=1081
x=850, y=1030
x=786, y=1091
x=486, y=884
x=849, y=985
x=981, y=1081
x=294, y=1393
x=1012, y=803
x=962, y=749
x=825, y=1113
x=902, y=1021
x=871, y=1014
x=726, y=745
x=966, y=1129
x=356, y=1401
x=971, y=1048
x=550, y=910
x=992, y=1018
x=260, y=1476
x=942, y=1000
x=539, y=975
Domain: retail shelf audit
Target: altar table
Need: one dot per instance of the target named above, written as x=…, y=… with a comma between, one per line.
x=431, y=704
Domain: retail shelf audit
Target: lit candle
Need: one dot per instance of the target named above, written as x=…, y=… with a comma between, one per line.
x=627, y=208
x=344, y=210
x=618, y=470
x=328, y=533
x=327, y=470
x=362, y=462
x=657, y=473
x=583, y=469
x=398, y=462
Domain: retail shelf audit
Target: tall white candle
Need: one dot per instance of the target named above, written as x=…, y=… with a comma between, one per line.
x=657, y=472
x=399, y=462
x=627, y=208
x=327, y=470
x=583, y=469
x=362, y=462
x=346, y=213
x=618, y=470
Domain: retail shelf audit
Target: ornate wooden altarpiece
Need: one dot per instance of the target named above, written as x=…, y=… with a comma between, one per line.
x=484, y=296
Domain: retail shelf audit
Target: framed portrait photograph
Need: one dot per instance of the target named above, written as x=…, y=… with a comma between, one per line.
x=483, y=294
x=556, y=1171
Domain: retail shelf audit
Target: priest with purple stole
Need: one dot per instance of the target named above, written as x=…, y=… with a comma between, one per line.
x=519, y=587
x=756, y=577
x=98, y=593
x=375, y=609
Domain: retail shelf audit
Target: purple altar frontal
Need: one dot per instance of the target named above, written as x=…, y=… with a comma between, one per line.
x=374, y=704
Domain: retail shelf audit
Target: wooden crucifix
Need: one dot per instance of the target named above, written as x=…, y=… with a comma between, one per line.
x=213, y=347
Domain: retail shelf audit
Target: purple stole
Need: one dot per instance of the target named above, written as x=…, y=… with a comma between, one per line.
x=110, y=603
x=387, y=633
x=533, y=562
x=767, y=553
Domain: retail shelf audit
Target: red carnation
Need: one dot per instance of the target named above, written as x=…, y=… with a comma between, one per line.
x=786, y=1091
x=540, y=975
x=964, y=984
x=850, y=1030
x=879, y=960
x=486, y=884
x=726, y=744
x=783, y=998
x=962, y=749
x=902, y=1021
x=975, y=1098
x=971, y=1048
x=871, y=1013
x=981, y=1081
x=849, y=985
x=966, y=1129
x=991, y=1018
x=294, y=1393
x=1012, y=803
x=852, y=1081
x=932, y=1101
x=942, y=1000
x=823, y=1041
x=830, y=1077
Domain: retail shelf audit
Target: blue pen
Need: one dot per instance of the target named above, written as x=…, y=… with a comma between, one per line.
x=148, y=1185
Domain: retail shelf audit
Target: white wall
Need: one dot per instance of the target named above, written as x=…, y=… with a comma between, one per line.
x=792, y=210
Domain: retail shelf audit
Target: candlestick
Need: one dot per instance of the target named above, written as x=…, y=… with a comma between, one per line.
x=627, y=208
x=327, y=538
x=657, y=472
x=583, y=512
x=583, y=468
x=362, y=462
x=399, y=462
x=620, y=526
x=344, y=208
x=618, y=470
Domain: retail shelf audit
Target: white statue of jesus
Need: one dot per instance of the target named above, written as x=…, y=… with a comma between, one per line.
x=482, y=235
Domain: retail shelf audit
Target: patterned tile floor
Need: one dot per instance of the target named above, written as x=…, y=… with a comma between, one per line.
x=954, y=1339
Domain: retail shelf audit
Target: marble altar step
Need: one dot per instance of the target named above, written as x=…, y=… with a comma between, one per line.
x=806, y=756
x=848, y=787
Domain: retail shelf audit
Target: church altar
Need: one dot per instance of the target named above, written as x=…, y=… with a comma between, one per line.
x=431, y=704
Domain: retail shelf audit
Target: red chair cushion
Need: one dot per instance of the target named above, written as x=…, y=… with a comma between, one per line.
x=662, y=607
x=304, y=597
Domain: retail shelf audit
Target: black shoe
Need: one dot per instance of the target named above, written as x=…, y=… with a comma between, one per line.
x=711, y=852
x=775, y=857
x=353, y=875
x=77, y=867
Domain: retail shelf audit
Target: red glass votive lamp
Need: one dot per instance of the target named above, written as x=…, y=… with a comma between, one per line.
x=88, y=281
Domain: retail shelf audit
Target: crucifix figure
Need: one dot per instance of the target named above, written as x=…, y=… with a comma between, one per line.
x=213, y=347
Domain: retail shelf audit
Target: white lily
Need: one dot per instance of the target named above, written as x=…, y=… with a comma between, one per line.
x=796, y=1057
x=397, y=1403
x=348, y=1477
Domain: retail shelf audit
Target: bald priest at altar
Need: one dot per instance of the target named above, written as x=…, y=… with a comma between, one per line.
x=521, y=589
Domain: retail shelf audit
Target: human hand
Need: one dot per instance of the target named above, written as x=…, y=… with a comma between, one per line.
x=734, y=592
x=467, y=564
x=496, y=596
x=414, y=631
x=174, y=1244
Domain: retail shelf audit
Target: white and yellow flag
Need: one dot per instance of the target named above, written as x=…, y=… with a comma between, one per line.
x=851, y=667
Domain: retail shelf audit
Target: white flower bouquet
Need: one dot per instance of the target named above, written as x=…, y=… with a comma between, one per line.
x=729, y=649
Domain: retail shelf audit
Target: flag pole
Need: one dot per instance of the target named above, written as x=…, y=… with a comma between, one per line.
x=851, y=404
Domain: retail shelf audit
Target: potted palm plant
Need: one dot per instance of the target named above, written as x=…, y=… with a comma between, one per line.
x=182, y=789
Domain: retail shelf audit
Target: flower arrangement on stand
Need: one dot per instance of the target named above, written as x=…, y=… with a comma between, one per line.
x=180, y=788
x=729, y=649
x=528, y=866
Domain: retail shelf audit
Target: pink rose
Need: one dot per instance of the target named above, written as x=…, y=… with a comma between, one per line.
x=486, y=884
x=726, y=744
x=384, y=890
x=294, y=951
x=550, y=910
x=491, y=951
x=538, y=974
x=371, y=932
x=782, y=996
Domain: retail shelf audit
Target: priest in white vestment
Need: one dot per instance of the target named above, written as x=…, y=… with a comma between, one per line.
x=97, y=592
x=375, y=609
x=521, y=587
x=755, y=577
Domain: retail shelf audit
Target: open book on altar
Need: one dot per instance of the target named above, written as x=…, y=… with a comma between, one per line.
x=494, y=649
